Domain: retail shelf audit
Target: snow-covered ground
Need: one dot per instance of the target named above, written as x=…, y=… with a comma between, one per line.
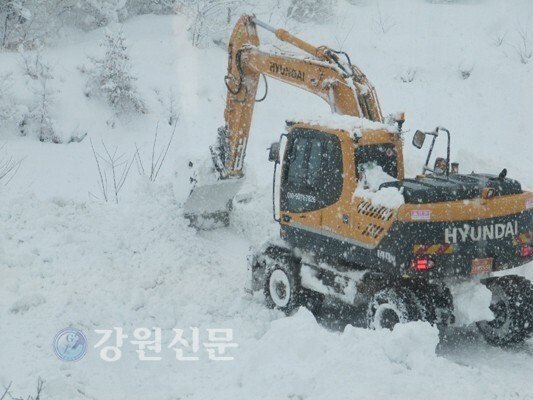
x=67, y=259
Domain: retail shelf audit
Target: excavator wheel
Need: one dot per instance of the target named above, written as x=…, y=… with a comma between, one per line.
x=391, y=306
x=282, y=285
x=512, y=305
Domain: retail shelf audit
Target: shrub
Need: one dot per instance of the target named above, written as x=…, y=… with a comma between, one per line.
x=111, y=76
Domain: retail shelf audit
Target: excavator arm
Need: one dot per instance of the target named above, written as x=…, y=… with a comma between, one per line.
x=324, y=72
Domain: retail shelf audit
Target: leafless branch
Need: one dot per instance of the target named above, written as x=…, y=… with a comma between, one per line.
x=383, y=23
x=524, y=47
x=103, y=182
x=113, y=170
x=139, y=162
x=6, y=391
x=155, y=162
x=152, y=166
x=408, y=75
x=340, y=26
x=498, y=39
x=8, y=166
x=162, y=157
x=40, y=385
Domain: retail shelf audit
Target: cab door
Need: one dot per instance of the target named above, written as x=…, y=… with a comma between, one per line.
x=308, y=184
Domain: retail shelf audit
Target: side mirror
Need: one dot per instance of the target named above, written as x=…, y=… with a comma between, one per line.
x=419, y=139
x=273, y=152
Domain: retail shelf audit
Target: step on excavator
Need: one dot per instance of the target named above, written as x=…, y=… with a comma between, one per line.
x=353, y=228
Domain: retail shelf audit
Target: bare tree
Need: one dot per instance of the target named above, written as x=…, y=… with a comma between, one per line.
x=113, y=169
x=342, y=31
x=156, y=161
x=465, y=70
x=311, y=10
x=41, y=113
x=37, y=396
x=383, y=22
x=6, y=392
x=136, y=7
x=498, y=39
x=524, y=45
x=28, y=23
x=7, y=106
x=172, y=109
x=408, y=75
x=210, y=18
x=39, y=118
x=170, y=105
x=34, y=65
x=90, y=14
x=8, y=166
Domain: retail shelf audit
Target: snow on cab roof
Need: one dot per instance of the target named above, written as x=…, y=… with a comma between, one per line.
x=348, y=123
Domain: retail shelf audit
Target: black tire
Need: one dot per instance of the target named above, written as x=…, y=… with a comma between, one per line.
x=282, y=286
x=512, y=305
x=391, y=306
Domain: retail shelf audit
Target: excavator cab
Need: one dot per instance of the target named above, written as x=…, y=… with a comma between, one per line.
x=318, y=171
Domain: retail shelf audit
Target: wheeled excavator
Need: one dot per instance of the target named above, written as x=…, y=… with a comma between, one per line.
x=353, y=228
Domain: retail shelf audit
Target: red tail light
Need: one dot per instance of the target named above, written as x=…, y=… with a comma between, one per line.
x=526, y=251
x=422, y=264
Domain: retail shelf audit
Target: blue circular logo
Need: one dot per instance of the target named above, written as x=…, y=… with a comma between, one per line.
x=70, y=344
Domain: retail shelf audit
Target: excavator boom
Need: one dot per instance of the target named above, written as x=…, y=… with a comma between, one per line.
x=322, y=71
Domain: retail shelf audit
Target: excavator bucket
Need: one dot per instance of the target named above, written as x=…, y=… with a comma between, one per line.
x=210, y=201
x=209, y=205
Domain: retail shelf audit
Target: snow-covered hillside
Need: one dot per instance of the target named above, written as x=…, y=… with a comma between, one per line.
x=69, y=259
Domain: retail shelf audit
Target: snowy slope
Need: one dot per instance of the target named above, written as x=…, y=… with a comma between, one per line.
x=67, y=259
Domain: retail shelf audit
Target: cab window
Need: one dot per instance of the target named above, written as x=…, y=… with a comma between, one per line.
x=313, y=171
x=297, y=167
x=383, y=155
